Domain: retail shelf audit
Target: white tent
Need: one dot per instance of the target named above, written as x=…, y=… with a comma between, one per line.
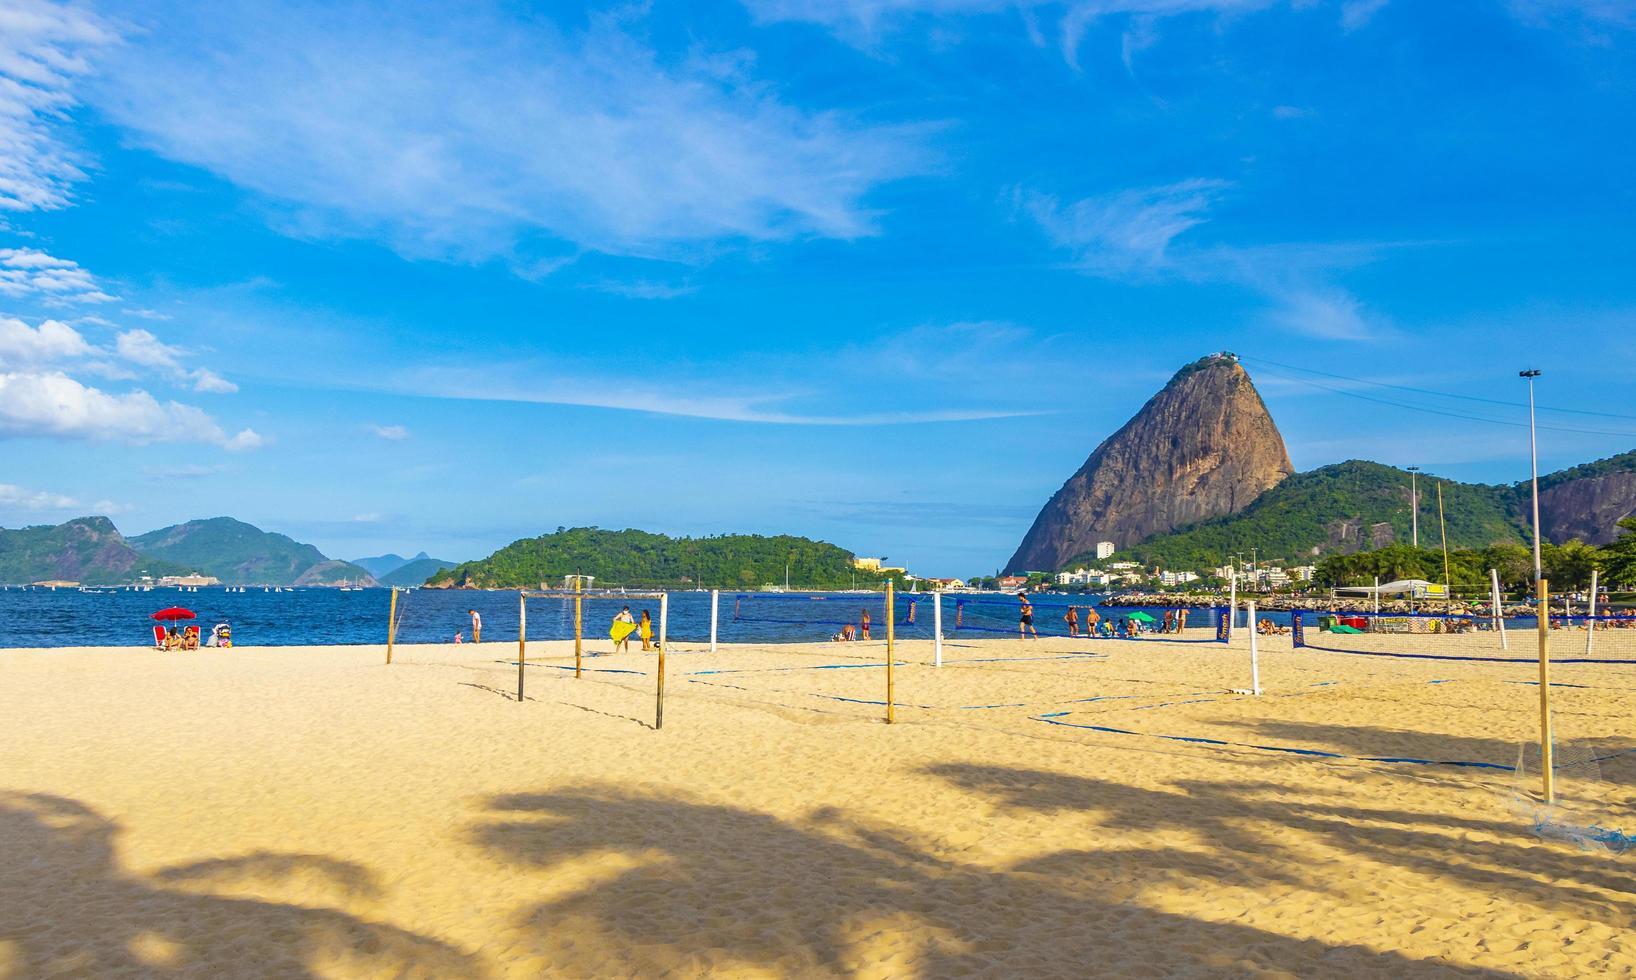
x=1417, y=588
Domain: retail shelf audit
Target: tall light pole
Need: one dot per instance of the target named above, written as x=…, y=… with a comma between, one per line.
x=1533, y=452
x=1414, y=504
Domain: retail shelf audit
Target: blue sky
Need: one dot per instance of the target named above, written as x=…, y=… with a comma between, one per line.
x=882, y=272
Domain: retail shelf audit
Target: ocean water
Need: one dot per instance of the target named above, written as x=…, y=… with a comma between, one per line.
x=304, y=617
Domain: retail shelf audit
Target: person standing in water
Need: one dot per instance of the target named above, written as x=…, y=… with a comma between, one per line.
x=1025, y=622
x=1072, y=619
x=863, y=624
x=476, y=626
x=1092, y=618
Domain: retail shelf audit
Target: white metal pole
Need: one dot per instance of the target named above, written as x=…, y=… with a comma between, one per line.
x=1414, y=503
x=1376, y=595
x=1533, y=453
x=715, y=610
x=1499, y=611
x=1590, y=622
x=1255, y=665
x=937, y=628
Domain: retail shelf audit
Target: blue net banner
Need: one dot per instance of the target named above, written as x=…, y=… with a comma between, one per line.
x=1297, y=630
x=1223, y=625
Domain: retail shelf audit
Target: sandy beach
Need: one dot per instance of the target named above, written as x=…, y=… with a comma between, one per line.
x=314, y=812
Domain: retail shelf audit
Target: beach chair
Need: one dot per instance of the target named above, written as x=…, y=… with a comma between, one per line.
x=158, y=637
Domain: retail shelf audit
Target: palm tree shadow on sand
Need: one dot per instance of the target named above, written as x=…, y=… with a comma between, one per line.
x=67, y=908
x=645, y=884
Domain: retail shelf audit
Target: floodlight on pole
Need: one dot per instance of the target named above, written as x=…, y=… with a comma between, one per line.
x=1533, y=453
x=1414, y=504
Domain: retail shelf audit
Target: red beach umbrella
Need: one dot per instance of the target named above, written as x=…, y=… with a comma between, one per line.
x=173, y=614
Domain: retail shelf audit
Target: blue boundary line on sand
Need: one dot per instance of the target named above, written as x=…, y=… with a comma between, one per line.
x=1052, y=718
x=1480, y=660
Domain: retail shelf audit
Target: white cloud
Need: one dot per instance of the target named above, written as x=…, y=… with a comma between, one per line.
x=142, y=347
x=206, y=380
x=1132, y=235
x=24, y=346
x=392, y=433
x=16, y=497
x=30, y=273
x=146, y=314
x=463, y=138
x=51, y=403
x=43, y=47
x=243, y=441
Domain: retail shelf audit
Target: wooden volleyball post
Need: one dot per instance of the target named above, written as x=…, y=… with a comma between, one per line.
x=522, y=640
x=579, y=626
x=891, y=633
x=1547, y=766
x=664, y=641
x=391, y=625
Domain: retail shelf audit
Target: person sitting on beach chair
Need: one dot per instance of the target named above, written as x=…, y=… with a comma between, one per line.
x=190, y=638
x=173, y=639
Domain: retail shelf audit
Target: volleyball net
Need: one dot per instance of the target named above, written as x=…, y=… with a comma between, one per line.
x=1472, y=636
x=995, y=616
x=862, y=616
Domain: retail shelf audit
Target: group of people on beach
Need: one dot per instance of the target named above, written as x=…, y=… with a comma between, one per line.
x=1129, y=627
x=187, y=638
x=624, y=625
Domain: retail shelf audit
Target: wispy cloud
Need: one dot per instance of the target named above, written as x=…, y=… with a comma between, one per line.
x=391, y=433
x=466, y=138
x=482, y=385
x=1611, y=13
x=1132, y=235
x=864, y=22
x=31, y=273
x=1128, y=232
x=44, y=47
x=644, y=289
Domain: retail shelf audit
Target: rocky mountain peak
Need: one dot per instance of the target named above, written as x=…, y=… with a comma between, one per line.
x=1204, y=446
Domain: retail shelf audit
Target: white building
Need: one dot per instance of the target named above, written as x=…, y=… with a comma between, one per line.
x=1303, y=573
x=1177, y=578
x=1123, y=566
x=1104, y=549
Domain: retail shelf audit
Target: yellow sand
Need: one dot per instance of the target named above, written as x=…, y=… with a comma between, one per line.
x=310, y=811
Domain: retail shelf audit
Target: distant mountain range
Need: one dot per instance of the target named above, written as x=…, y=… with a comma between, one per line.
x=1200, y=473
x=400, y=571
x=92, y=551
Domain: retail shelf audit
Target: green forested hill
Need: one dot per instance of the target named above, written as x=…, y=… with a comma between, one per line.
x=1333, y=509
x=243, y=554
x=640, y=558
x=89, y=550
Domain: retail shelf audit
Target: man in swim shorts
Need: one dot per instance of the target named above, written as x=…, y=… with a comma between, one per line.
x=1025, y=624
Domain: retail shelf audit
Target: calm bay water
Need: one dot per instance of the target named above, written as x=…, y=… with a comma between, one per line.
x=302, y=617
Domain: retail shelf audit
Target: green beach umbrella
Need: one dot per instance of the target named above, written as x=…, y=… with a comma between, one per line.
x=1141, y=617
